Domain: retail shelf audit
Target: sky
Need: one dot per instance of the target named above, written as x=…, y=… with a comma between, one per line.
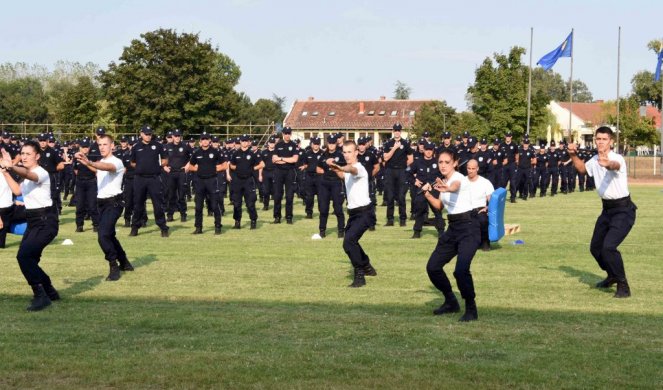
x=349, y=49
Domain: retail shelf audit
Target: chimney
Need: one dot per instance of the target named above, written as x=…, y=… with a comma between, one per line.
x=383, y=98
x=311, y=98
x=361, y=107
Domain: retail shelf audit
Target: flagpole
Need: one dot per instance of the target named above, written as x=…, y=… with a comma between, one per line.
x=619, y=46
x=529, y=85
x=571, y=88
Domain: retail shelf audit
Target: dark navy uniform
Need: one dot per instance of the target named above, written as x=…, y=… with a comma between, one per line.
x=311, y=159
x=243, y=164
x=368, y=159
x=207, y=161
x=425, y=171
x=553, y=168
x=330, y=187
x=496, y=168
x=284, y=178
x=178, y=156
x=395, y=177
x=147, y=181
x=541, y=174
x=49, y=159
x=510, y=150
x=268, y=173
x=523, y=172
x=86, y=194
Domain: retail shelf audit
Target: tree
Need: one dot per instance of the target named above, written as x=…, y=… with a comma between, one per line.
x=76, y=103
x=634, y=129
x=551, y=84
x=169, y=80
x=434, y=117
x=402, y=91
x=22, y=100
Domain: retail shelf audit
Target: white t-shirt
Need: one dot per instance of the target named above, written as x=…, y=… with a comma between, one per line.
x=457, y=202
x=109, y=184
x=357, y=187
x=609, y=184
x=5, y=193
x=37, y=195
x=480, y=189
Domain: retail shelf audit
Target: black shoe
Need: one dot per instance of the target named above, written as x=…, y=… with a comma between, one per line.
x=623, y=290
x=359, y=279
x=390, y=222
x=170, y=218
x=125, y=265
x=134, y=232
x=127, y=223
x=277, y=220
x=470, y=312
x=198, y=231
x=114, y=273
x=95, y=229
x=165, y=233
x=341, y=234
x=238, y=225
x=371, y=228
x=513, y=200
x=449, y=306
x=288, y=221
x=607, y=282
x=323, y=233
x=542, y=195
x=370, y=271
x=265, y=208
x=217, y=230
x=416, y=234
x=143, y=224
x=210, y=214
x=39, y=300
x=411, y=217
x=51, y=292
x=79, y=229
x=402, y=222
x=183, y=218
x=485, y=246
x=309, y=215
x=254, y=225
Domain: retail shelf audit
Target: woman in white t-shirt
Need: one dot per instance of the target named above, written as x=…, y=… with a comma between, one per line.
x=42, y=220
x=461, y=239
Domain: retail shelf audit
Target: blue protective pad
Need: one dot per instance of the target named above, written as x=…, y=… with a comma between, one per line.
x=18, y=228
x=496, y=214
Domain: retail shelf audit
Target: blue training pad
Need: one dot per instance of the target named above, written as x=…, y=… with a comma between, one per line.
x=496, y=214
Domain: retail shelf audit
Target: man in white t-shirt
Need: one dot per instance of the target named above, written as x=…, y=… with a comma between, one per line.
x=618, y=216
x=360, y=210
x=481, y=190
x=110, y=201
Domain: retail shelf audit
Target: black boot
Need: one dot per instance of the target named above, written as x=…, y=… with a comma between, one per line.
x=623, y=290
x=485, y=246
x=134, y=232
x=370, y=271
x=416, y=234
x=79, y=229
x=607, y=282
x=125, y=265
x=470, y=311
x=198, y=230
x=127, y=223
x=450, y=305
x=238, y=225
x=254, y=224
x=323, y=233
x=40, y=300
x=277, y=220
x=114, y=273
x=359, y=280
x=341, y=233
x=217, y=230
x=51, y=292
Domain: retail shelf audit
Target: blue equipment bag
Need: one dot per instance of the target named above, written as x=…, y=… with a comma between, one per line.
x=496, y=214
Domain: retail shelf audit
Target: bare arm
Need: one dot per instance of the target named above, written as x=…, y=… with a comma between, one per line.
x=577, y=162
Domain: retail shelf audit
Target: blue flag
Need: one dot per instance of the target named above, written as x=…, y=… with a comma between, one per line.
x=563, y=50
x=657, y=76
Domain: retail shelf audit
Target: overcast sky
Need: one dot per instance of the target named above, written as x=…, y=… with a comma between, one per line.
x=349, y=49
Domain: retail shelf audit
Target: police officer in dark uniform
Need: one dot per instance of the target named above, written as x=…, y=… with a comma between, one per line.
x=524, y=161
x=311, y=159
x=243, y=163
x=206, y=162
x=330, y=187
x=397, y=157
x=370, y=162
x=553, y=168
x=424, y=171
x=285, y=159
x=267, y=183
x=445, y=144
x=466, y=153
x=541, y=175
x=179, y=155
x=51, y=161
x=497, y=159
x=86, y=191
x=483, y=158
x=510, y=150
x=147, y=157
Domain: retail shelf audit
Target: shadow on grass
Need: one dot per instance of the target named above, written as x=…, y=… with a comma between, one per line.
x=585, y=277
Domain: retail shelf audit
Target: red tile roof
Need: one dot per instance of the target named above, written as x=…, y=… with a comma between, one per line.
x=597, y=113
x=347, y=114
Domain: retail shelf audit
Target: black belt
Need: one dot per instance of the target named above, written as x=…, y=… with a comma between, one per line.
x=478, y=210
x=173, y=170
x=32, y=214
x=361, y=209
x=112, y=199
x=466, y=216
x=147, y=176
x=206, y=176
x=395, y=168
x=614, y=203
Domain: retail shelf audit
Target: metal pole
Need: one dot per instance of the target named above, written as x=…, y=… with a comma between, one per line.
x=444, y=122
x=619, y=45
x=571, y=88
x=529, y=85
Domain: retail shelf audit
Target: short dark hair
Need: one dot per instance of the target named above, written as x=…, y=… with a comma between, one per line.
x=454, y=156
x=604, y=130
x=34, y=145
x=350, y=142
x=102, y=136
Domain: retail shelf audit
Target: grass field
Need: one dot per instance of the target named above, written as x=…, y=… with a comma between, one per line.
x=270, y=309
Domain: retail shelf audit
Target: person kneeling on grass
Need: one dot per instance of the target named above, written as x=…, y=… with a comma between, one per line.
x=461, y=238
x=360, y=210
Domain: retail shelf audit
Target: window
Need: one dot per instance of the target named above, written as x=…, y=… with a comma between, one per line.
x=332, y=113
x=362, y=135
x=307, y=135
x=412, y=113
x=315, y=113
x=304, y=113
x=382, y=113
x=350, y=136
x=371, y=113
x=394, y=113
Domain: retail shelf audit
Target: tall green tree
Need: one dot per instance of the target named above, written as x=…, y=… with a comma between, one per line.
x=402, y=91
x=169, y=80
x=634, y=128
x=75, y=103
x=551, y=84
x=434, y=117
x=22, y=100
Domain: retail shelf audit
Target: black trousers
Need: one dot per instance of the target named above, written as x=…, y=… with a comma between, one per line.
x=207, y=188
x=395, y=188
x=244, y=189
x=544, y=177
x=109, y=212
x=55, y=191
x=420, y=209
x=42, y=229
x=311, y=190
x=553, y=180
x=509, y=177
x=267, y=186
x=152, y=186
x=523, y=177
x=495, y=176
x=461, y=239
x=331, y=190
x=6, y=215
x=129, y=201
x=358, y=223
x=86, y=201
x=284, y=180
x=176, y=193
x=611, y=228
x=482, y=220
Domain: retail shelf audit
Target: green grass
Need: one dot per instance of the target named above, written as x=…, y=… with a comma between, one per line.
x=270, y=309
